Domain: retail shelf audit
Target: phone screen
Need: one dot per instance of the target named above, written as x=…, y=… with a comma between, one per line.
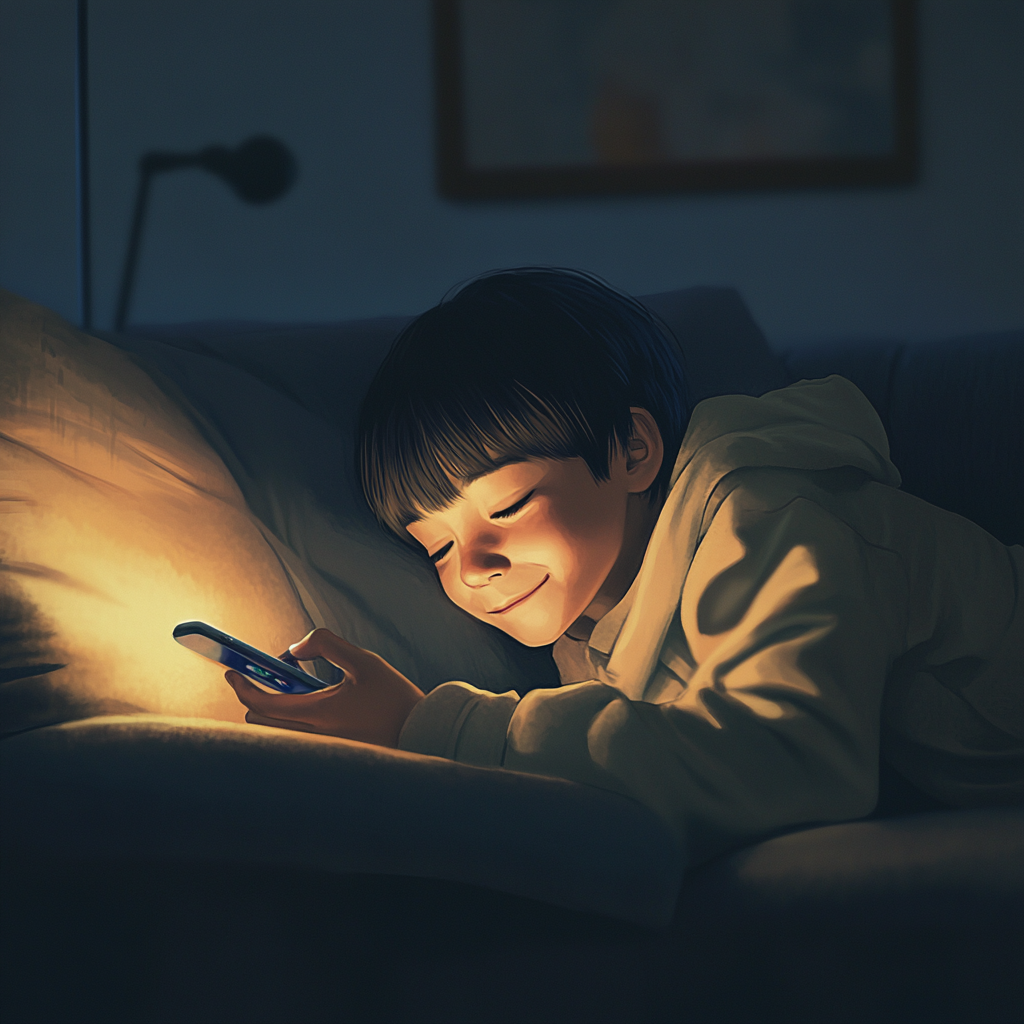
x=211, y=643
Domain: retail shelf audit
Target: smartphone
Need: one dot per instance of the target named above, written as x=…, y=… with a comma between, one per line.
x=281, y=673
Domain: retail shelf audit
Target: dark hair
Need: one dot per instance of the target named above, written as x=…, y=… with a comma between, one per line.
x=517, y=364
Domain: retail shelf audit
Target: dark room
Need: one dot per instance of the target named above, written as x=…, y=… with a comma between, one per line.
x=392, y=391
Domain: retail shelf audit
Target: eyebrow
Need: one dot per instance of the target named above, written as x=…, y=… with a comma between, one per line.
x=505, y=460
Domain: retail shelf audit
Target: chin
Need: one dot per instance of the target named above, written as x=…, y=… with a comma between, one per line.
x=533, y=640
x=534, y=634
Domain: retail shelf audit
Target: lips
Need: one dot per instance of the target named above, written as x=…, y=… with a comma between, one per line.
x=519, y=600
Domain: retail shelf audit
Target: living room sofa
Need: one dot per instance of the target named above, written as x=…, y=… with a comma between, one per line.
x=173, y=867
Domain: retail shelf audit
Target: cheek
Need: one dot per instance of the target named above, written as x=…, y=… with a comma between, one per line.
x=588, y=534
x=453, y=589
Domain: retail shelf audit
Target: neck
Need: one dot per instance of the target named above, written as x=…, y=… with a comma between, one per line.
x=641, y=516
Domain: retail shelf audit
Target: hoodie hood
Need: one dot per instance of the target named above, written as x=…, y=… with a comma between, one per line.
x=814, y=424
x=811, y=425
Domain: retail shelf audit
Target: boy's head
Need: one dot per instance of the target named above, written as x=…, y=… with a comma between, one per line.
x=536, y=384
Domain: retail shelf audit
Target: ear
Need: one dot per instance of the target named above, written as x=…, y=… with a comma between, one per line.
x=644, y=453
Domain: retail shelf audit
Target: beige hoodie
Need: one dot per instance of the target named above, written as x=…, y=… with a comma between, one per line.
x=795, y=612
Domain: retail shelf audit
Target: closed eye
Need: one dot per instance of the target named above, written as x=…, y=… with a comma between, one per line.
x=439, y=554
x=506, y=513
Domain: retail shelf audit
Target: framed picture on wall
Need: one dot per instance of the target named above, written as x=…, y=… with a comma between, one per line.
x=587, y=97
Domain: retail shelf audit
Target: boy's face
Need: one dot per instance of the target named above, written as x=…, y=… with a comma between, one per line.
x=529, y=546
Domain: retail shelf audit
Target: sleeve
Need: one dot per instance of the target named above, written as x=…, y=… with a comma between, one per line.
x=462, y=723
x=787, y=638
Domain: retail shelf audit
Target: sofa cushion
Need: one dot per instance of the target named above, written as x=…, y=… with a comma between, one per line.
x=159, y=788
x=724, y=351
x=118, y=521
x=164, y=885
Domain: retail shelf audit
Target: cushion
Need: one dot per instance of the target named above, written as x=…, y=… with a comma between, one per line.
x=118, y=521
x=289, y=450
x=119, y=905
x=221, y=792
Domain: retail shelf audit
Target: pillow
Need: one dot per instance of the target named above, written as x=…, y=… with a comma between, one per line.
x=117, y=521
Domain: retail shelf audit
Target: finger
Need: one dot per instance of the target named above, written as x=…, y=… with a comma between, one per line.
x=261, y=701
x=289, y=659
x=322, y=643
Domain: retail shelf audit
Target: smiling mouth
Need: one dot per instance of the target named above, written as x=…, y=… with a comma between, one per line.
x=519, y=600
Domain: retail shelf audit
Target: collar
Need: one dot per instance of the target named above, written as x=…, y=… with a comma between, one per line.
x=606, y=629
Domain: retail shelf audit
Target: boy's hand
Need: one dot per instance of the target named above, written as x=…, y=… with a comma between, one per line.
x=371, y=704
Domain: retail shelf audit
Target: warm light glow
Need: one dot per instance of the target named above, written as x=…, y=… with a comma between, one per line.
x=119, y=521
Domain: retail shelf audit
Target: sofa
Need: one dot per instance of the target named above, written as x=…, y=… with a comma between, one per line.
x=163, y=861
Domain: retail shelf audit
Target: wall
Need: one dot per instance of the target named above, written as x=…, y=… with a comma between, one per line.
x=38, y=255
x=348, y=86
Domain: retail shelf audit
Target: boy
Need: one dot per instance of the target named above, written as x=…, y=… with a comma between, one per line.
x=744, y=608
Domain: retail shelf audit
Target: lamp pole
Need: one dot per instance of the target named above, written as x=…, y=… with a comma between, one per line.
x=82, y=164
x=150, y=164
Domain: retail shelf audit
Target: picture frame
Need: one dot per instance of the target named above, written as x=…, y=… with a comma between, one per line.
x=557, y=98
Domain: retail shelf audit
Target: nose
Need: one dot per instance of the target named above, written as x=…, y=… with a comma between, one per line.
x=482, y=564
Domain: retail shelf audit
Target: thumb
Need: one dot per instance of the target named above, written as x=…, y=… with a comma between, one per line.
x=322, y=643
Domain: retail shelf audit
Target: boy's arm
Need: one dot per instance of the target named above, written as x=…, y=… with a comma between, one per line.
x=778, y=724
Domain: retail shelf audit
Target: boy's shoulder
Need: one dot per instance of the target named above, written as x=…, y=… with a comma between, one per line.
x=810, y=425
x=817, y=440
x=764, y=489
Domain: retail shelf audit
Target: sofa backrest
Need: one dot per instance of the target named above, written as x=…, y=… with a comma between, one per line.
x=327, y=368
x=954, y=413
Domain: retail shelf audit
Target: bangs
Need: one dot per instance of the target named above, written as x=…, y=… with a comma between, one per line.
x=419, y=458
x=521, y=364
